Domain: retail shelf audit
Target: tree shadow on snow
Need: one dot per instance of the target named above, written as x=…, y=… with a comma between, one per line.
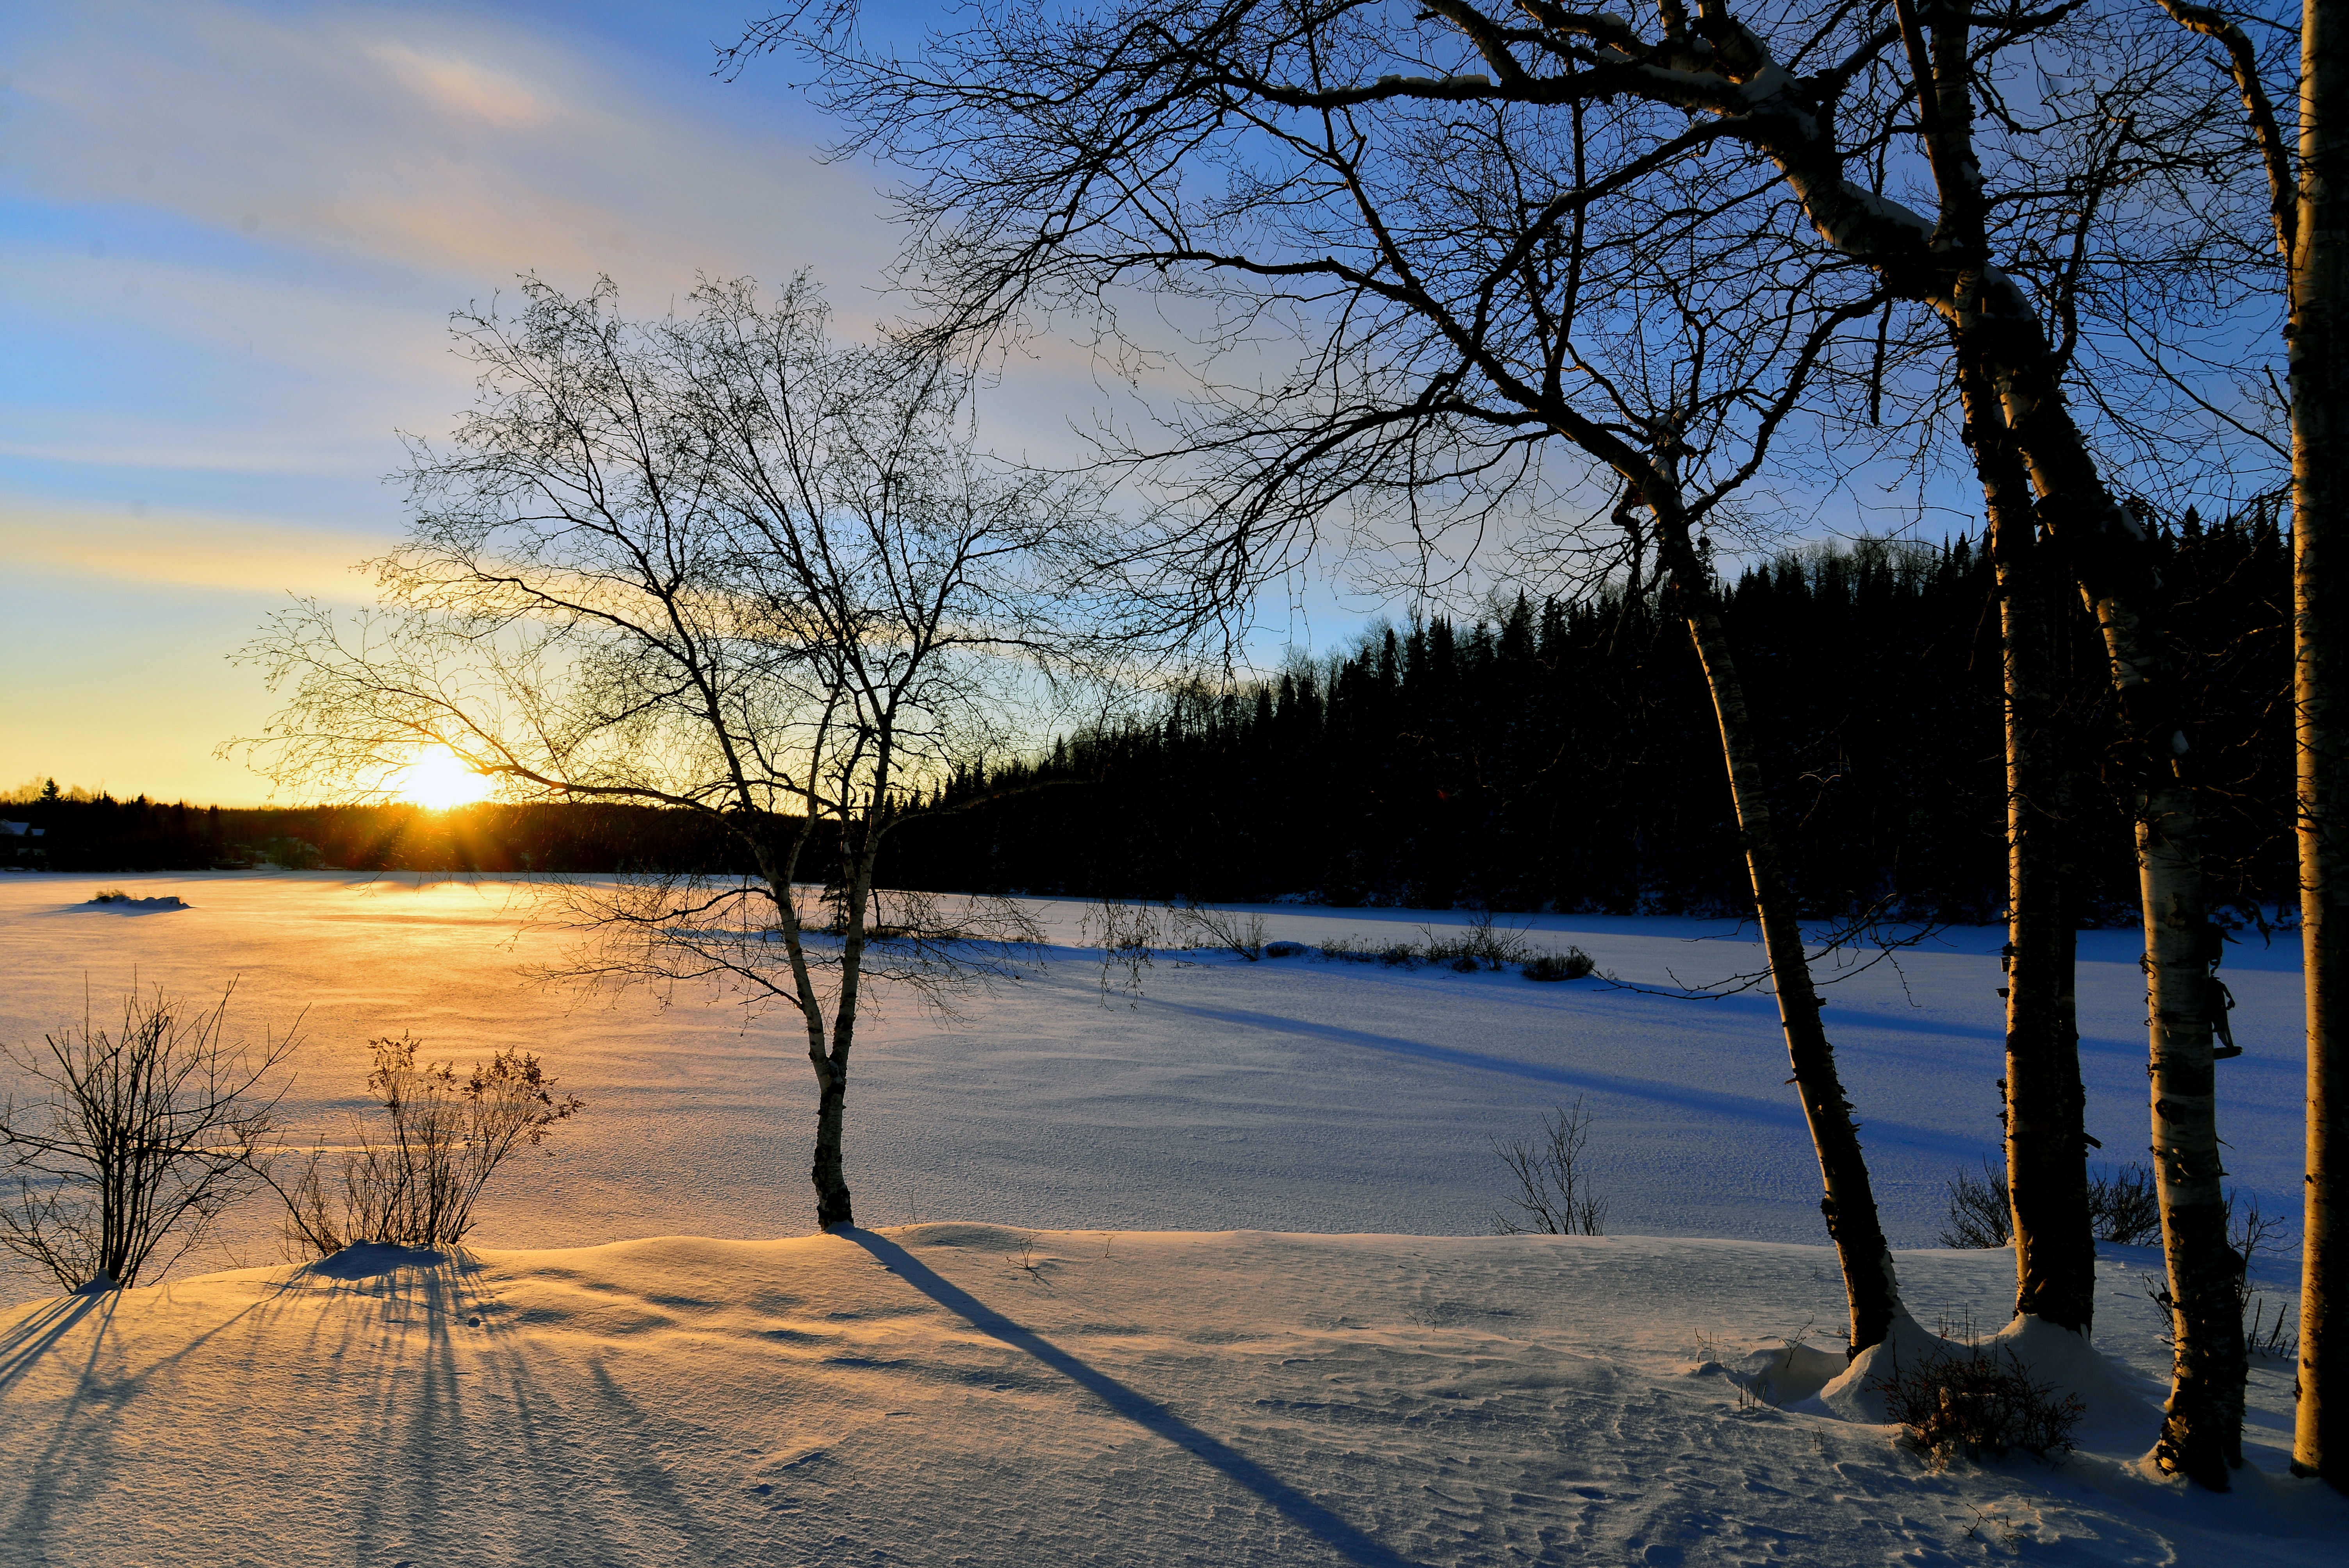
x=23, y=1345
x=1298, y=1508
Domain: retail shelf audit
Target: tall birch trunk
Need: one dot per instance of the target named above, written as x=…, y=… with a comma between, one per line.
x=2045, y=1105
x=833, y=1206
x=1871, y=1286
x=2319, y=338
x=828, y=1041
x=2201, y=1429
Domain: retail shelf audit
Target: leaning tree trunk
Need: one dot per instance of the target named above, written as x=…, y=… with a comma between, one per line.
x=2320, y=397
x=1871, y=1286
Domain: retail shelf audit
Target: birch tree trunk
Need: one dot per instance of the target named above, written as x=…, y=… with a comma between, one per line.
x=2045, y=1106
x=2319, y=337
x=1871, y=1286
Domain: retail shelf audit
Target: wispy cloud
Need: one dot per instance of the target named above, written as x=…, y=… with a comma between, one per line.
x=458, y=144
x=193, y=551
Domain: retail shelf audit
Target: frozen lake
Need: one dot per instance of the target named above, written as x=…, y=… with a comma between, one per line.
x=1292, y=1095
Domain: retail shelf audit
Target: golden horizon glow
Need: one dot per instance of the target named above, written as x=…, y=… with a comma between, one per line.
x=438, y=779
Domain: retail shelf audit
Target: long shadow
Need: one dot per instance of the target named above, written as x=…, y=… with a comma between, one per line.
x=1783, y=1117
x=1294, y=1505
x=24, y=1343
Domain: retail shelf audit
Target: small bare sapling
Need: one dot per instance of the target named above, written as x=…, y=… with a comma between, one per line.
x=1554, y=1195
x=412, y=1179
x=1976, y=1401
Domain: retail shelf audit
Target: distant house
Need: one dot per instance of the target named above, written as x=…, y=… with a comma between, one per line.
x=16, y=839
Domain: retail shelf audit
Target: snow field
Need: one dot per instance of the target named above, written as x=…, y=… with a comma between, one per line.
x=1140, y=1382
x=973, y=1394
x=1289, y=1095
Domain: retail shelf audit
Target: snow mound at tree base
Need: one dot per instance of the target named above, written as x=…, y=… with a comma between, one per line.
x=2116, y=1403
x=972, y=1393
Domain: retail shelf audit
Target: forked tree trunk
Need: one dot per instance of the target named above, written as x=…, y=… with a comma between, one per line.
x=828, y=1041
x=2320, y=396
x=1871, y=1286
x=2043, y=1106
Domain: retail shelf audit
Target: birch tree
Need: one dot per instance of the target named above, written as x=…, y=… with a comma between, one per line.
x=1061, y=160
x=721, y=564
x=1474, y=353
x=2309, y=209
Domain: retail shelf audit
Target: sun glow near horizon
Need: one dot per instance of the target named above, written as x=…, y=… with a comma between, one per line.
x=438, y=779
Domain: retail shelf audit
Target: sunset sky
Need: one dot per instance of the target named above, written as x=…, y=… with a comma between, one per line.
x=235, y=236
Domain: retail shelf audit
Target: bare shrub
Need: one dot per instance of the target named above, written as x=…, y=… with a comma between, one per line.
x=2248, y=1231
x=2123, y=1208
x=1976, y=1401
x=1235, y=931
x=1127, y=932
x=445, y=1137
x=1572, y=964
x=1979, y=1213
x=1484, y=943
x=1554, y=1188
x=144, y=1135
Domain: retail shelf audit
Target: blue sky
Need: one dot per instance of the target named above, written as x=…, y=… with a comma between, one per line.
x=234, y=235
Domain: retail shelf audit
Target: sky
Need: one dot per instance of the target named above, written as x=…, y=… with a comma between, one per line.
x=234, y=237
x=235, y=233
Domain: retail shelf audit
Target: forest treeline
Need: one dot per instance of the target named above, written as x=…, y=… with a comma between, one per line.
x=1563, y=756
x=101, y=833
x=1555, y=755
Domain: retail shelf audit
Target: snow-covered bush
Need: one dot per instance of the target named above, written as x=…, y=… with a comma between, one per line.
x=1976, y=1401
x=413, y=1183
x=142, y=1134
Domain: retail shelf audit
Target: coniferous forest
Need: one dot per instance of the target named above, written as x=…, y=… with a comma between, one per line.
x=1555, y=754
x=1560, y=756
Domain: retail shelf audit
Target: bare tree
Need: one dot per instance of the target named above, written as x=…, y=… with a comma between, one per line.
x=1284, y=163
x=2307, y=201
x=1466, y=316
x=721, y=564
x=146, y=1133
x=1554, y=1193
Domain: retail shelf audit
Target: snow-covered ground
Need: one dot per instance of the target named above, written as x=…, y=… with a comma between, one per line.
x=1288, y=1095
x=968, y=1394
x=1418, y=1393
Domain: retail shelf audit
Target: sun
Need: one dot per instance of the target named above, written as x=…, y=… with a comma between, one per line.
x=438, y=780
